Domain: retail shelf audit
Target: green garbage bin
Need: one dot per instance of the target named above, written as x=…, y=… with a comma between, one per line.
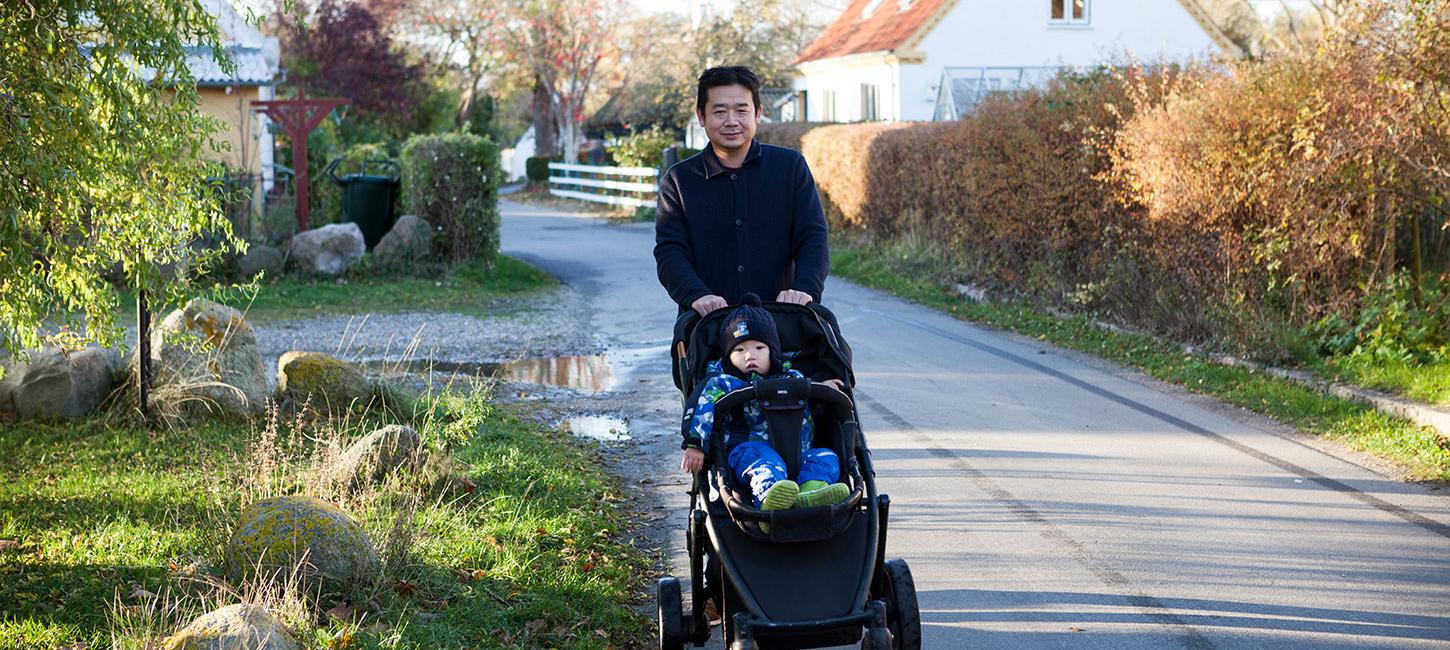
x=368, y=200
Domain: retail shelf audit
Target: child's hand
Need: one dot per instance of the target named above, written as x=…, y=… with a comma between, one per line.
x=693, y=460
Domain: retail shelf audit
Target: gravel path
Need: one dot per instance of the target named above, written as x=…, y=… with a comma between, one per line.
x=547, y=325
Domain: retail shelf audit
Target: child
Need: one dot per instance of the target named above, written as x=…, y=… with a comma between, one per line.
x=751, y=348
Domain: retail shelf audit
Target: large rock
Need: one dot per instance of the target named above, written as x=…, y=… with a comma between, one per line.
x=261, y=258
x=331, y=384
x=234, y=627
x=408, y=243
x=372, y=458
x=205, y=360
x=329, y=550
x=329, y=250
x=58, y=384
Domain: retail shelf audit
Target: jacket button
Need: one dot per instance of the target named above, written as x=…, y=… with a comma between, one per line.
x=739, y=222
x=734, y=176
x=740, y=268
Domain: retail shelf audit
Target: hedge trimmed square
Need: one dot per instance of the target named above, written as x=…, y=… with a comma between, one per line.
x=451, y=181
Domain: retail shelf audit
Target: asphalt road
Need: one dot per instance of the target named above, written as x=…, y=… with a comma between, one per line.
x=1045, y=499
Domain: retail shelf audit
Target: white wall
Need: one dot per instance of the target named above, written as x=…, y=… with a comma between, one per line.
x=990, y=33
x=1015, y=33
x=845, y=76
x=514, y=161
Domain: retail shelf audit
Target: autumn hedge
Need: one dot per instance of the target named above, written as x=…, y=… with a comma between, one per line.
x=1213, y=203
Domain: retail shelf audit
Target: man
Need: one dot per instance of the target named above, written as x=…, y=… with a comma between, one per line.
x=740, y=217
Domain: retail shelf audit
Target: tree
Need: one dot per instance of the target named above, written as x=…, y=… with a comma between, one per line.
x=466, y=34
x=656, y=82
x=344, y=49
x=563, y=42
x=101, y=161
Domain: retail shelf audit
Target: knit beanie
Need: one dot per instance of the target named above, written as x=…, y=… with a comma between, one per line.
x=751, y=322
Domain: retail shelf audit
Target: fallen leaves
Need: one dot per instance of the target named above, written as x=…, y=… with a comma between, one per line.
x=9, y=546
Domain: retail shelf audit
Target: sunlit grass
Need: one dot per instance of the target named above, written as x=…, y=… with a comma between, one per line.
x=470, y=288
x=527, y=557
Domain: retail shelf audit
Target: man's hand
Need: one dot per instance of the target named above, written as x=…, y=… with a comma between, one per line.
x=835, y=383
x=794, y=297
x=707, y=304
x=693, y=460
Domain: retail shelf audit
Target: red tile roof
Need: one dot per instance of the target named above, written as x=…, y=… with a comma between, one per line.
x=887, y=28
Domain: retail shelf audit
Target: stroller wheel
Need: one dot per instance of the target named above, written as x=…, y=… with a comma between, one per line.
x=877, y=638
x=902, y=614
x=671, y=615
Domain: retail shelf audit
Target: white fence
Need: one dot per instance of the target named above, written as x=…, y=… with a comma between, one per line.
x=627, y=186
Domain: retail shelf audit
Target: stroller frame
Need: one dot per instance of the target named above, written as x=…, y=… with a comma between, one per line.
x=882, y=595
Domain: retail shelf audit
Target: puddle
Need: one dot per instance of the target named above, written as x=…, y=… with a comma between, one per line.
x=589, y=373
x=593, y=373
x=597, y=427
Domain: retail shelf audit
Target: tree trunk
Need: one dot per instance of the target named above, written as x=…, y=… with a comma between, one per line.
x=545, y=143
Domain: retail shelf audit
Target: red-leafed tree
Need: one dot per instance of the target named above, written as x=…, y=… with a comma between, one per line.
x=562, y=43
x=344, y=49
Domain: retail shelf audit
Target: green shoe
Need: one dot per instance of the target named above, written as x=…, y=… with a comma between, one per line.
x=812, y=485
x=780, y=496
x=824, y=496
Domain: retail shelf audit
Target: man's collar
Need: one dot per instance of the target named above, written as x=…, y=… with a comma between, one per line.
x=713, y=166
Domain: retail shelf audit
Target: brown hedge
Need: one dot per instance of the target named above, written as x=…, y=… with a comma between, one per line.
x=1214, y=203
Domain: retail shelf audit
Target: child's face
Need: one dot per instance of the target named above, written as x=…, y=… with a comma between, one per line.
x=751, y=356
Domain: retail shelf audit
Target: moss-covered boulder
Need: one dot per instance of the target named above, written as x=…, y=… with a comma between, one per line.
x=325, y=382
x=331, y=552
x=234, y=627
x=207, y=362
x=373, y=457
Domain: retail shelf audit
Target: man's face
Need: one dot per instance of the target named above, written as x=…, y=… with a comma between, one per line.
x=729, y=117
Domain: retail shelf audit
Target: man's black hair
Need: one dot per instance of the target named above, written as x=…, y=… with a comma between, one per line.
x=731, y=75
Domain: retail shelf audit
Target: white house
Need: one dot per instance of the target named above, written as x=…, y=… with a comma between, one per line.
x=922, y=59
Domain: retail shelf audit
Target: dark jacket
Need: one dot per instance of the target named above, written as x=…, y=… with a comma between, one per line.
x=757, y=229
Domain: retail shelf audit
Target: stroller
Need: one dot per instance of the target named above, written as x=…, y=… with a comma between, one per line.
x=813, y=576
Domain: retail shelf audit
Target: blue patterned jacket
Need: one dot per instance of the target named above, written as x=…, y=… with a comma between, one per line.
x=722, y=383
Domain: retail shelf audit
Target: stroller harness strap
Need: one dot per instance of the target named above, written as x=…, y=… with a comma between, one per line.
x=783, y=402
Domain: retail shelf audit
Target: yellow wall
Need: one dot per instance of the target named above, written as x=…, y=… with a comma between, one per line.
x=239, y=122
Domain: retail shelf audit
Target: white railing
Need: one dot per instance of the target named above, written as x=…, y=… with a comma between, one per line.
x=613, y=185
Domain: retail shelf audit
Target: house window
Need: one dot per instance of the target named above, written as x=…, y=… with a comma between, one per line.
x=1069, y=12
x=870, y=103
x=828, y=106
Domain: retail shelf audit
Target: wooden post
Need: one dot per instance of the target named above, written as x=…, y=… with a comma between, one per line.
x=143, y=354
x=298, y=118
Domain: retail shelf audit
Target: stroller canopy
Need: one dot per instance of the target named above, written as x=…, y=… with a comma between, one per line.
x=810, y=339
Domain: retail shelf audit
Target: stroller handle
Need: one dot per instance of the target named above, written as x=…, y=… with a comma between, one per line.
x=817, y=392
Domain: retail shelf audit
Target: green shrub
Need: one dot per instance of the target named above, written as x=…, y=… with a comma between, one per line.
x=451, y=181
x=537, y=168
x=1391, y=325
x=642, y=148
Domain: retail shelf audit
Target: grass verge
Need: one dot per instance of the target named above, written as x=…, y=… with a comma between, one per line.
x=914, y=272
x=1427, y=382
x=100, y=523
x=471, y=288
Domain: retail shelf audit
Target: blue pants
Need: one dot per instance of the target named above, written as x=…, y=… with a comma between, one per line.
x=758, y=465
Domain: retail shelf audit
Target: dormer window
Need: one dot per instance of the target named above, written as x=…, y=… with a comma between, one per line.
x=1068, y=12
